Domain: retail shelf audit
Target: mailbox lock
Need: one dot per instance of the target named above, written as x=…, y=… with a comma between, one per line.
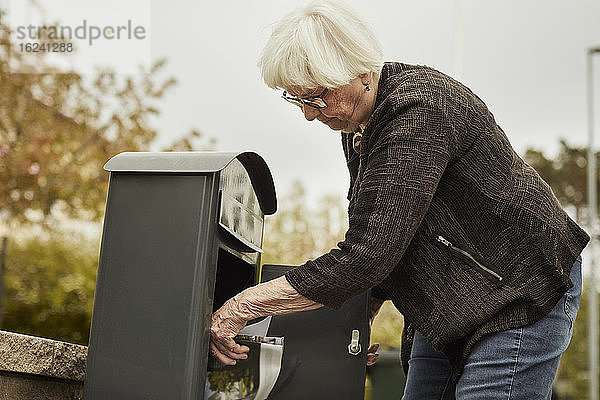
x=354, y=346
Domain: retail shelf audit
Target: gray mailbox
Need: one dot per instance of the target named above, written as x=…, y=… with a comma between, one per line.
x=182, y=234
x=177, y=226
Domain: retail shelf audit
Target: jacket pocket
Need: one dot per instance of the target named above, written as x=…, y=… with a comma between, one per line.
x=471, y=260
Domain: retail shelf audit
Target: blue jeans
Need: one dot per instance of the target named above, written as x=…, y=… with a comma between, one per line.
x=517, y=364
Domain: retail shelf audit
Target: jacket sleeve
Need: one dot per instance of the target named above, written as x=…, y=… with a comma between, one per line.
x=405, y=161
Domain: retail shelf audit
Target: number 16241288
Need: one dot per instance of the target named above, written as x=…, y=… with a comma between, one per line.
x=46, y=47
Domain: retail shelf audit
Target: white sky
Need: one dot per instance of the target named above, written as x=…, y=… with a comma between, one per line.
x=525, y=58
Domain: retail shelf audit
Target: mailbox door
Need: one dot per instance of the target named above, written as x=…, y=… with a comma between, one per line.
x=316, y=361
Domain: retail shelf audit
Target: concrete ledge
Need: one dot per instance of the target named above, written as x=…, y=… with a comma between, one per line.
x=40, y=356
x=38, y=368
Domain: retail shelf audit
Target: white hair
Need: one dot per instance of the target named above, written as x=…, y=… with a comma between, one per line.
x=323, y=44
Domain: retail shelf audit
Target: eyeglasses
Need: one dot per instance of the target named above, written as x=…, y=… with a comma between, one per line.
x=315, y=101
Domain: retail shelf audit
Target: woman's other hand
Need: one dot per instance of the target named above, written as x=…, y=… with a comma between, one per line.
x=372, y=355
x=375, y=306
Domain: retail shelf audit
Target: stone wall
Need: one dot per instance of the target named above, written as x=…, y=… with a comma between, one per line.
x=33, y=368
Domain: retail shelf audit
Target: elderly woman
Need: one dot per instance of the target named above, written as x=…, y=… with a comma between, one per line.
x=445, y=220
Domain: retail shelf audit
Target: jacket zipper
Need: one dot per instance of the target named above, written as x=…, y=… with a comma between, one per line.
x=445, y=242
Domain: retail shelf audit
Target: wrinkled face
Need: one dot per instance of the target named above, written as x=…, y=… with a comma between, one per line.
x=347, y=106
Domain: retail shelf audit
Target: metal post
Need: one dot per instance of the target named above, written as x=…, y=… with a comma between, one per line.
x=458, y=39
x=593, y=229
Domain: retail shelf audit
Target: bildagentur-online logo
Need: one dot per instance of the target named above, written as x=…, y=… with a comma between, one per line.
x=83, y=31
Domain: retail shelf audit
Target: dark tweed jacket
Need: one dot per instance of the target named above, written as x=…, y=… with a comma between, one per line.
x=445, y=219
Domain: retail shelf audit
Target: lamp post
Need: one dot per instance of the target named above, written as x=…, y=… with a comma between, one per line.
x=593, y=229
x=458, y=39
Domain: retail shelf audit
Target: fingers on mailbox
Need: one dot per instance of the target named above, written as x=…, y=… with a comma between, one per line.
x=220, y=356
x=372, y=359
x=372, y=355
x=230, y=348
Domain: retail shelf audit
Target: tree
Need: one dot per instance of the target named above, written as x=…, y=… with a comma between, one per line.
x=50, y=286
x=57, y=129
x=572, y=382
x=297, y=232
x=566, y=174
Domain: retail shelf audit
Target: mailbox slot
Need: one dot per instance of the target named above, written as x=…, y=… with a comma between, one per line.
x=233, y=276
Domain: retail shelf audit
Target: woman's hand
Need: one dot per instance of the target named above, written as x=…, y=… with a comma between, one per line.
x=274, y=297
x=375, y=306
x=372, y=355
x=227, y=321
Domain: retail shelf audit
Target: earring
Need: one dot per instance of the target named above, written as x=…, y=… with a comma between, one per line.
x=368, y=88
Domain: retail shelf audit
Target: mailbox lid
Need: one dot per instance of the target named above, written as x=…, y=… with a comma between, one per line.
x=240, y=213
x=201, y=162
